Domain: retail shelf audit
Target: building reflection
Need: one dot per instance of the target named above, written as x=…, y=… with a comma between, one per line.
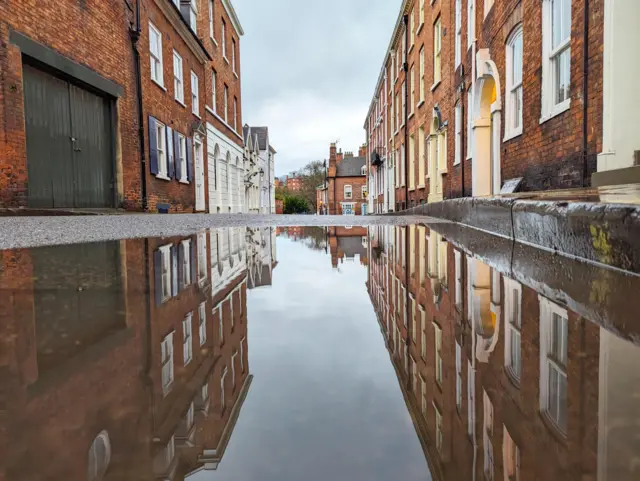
x=125, y=359
x=503, y=377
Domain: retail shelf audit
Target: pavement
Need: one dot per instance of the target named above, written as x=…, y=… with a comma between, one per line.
x=24, y=232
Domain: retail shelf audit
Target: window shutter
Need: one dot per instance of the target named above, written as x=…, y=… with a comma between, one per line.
x=153, y=146
x=181, y=281
x=170, y=157
x=157, y=270
x=189, y=159
x=176, y=146
x=174, y=270
x=194, y=261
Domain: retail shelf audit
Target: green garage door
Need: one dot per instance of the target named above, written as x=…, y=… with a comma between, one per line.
x=69, y=143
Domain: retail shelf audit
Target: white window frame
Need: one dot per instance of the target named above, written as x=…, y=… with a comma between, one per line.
x=458, y=267
x=513, y=327
x=439, y=432
x=226, y=104
x=187, y=338
x=470, y=136
x=514, y=88
x=421, y=19
x=550, y=55
x=364, y=191
x=195, y=94
x=166, y=354
x=548, y=310
x=214, y=89
x=487, y=436
x=178, y=77
x=211, y=20
x=471, y=23
x=186, y=267
x=224, y=40
x=165, y=252
x=235, y=114
x=488, y=5
x=458, y=26
x=437, y=52
x=189, y=417
x=348, y=191
x=233, y=55
x=157, y=69
x=202, y=318
x=412, y=89
x=422, y=79
x=202, y=257
x=458, y=129
x=233, y=368
x=182, y=158
x=223, y=401
x=161, y=148
x=458, y=376
x=412, y=26
x=220, y=326
x=439, y=369
x=510, y=456
x=471, y=400
x=193, y=15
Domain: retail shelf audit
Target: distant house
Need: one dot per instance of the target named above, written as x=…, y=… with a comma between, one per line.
x=346, y=182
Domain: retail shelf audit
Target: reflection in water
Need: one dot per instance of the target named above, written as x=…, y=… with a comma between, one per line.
x=503, y=377
x=130, y=359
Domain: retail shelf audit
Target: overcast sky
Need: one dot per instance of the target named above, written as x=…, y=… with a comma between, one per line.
x=309, y=69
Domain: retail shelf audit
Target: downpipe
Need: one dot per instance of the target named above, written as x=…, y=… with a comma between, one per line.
x=585, y=95
x=405, y=67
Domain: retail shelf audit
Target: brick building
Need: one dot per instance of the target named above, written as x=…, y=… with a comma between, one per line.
x=474, y=353
x=346, y=182
x=293, y=183
x=504, y=95
x=345, y=243
x=145, y=97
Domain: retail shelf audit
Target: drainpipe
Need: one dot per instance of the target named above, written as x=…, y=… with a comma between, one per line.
x=585, y=93
x=135, y=38
x=405, y=67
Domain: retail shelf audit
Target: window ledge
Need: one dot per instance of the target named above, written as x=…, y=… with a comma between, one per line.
x=181, y=103
x=412, y=189
x=419, y=28
x=411, y=115
x=226, y=59
x=210, y=110
x=469, y=157
x=213, y=40
x=235, y=74
x=435, y=85
x=512, y=135
x=196, y=115
x=411, y=48
x=163, y=177
x=420, y=104
x=182, y=181
x=456, y=163
x=556, y=110
x=421, y=186
x=159, y=84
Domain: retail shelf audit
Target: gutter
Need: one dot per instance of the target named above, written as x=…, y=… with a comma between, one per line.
x=135, y=38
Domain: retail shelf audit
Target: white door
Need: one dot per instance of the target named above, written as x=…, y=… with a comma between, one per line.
x=233, y=188
x=223, y=179
x=199, y=175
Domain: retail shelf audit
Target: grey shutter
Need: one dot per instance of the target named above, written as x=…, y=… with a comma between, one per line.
x=176, y=146
x=170, y=158
x=189, y=159
x=194, y=261
x=153, y=146
x=174, y=271
x=181, y=280
x=157, y=270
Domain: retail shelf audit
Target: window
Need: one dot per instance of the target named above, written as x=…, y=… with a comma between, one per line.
x=510, y=457
x=221, y=326
x=471, y=22
x=469, y=124
x=438, y=353
x=471, y=400
x=348, y=192
x=458, y=127
x=404, y=103
x=190, y=416
x=178, y=84
x=458, y=260
x=437, y=50
x=182, y=159
x=187, y=345
x=204, y=392
x=161, y=148
x=165, y=253
x=226, y=103
x=512, y=352
x=202, y=318
x=423, y=332
x=233, y=368
x=99, y=456
x=422, y=84
x=214, y=82
x=412, y=88
x=412, y=26
x=195, y=99
x=202, y=256
x=393, y=65
x=458, y=46
x=487, y=7
x=222, y=396
x=224, y=39
x=244, y=339
x=193, y=15
x=487, y=436
x=397, y=112
x=233, y=54
x=553, y=362
x=556, y=56
x=167, y=363
x=423, y=393
x=513, y=125
x=211, y=21
x=421, y=159
x=421, y=14
x=155, y=51
x=458, y=376
x=364, y=191
x=235, y=114
x=412, y=162
x=439, y=435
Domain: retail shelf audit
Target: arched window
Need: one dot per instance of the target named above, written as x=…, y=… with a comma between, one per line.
x=216, y=154
x=513, y=125
x=99, y=457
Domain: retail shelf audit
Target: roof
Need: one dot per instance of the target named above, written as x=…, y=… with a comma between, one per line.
x=351, y=167
x=352, y=246
x=262, y=133
x=233, y=16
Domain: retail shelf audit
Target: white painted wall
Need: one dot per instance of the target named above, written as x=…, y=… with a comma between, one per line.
x=230, y=194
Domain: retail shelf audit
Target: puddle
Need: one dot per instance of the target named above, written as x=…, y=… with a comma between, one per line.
x=377, y=353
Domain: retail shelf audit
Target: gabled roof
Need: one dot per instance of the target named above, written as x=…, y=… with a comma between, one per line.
x=351, y=167
x=233, y=16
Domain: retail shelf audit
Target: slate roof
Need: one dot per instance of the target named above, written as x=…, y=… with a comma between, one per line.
x=352, y=246
x=262, y=133
x=351, y=167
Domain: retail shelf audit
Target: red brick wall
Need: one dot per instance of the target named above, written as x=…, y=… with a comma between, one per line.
x=94, y=34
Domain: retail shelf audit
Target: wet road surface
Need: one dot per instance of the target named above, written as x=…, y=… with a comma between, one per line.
x=373, y=352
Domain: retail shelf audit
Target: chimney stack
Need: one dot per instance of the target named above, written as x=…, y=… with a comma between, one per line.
x=363, y=151
x=348, y=154
x=340, y=157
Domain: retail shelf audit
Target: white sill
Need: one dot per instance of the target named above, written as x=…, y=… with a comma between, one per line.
x=411, y=48
x=163, y=177
x=512, y=135
x=226, y=59
x=419, y=28
x=556, y=110
x=214, y=41
x=210, y=110
x=435, y=85
x=412, y=189
x=235, y=75
x=196, y=115
x=182, y=181
x=456, y=163
x=420, y=104
x=159, y=84
x=411, y=115
x=421, y=186
x=181, y=103
x=469, y=157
